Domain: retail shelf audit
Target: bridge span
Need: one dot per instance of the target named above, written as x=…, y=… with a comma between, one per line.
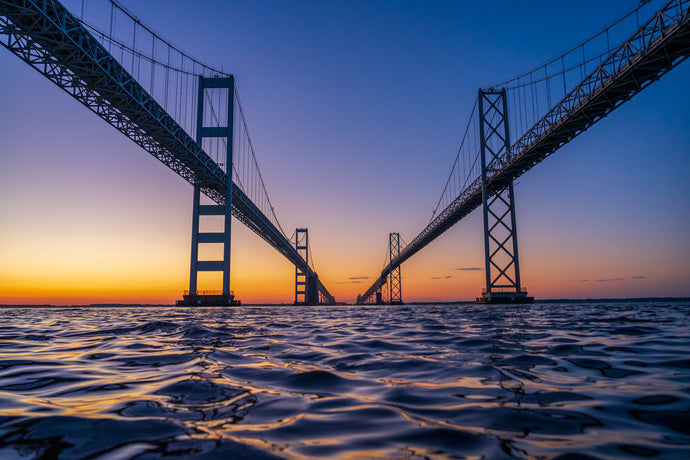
x=77, y=58
x=188, y=115
x=607, y=80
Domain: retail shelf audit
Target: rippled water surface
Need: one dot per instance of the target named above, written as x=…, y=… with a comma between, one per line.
x=428, y=381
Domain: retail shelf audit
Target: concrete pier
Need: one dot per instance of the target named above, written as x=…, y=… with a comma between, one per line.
x=504, y=298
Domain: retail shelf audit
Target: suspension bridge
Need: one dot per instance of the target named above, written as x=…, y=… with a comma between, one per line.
x=188, y=115
x=543, y=109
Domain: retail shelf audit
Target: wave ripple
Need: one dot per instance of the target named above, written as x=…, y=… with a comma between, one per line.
x=439, y=381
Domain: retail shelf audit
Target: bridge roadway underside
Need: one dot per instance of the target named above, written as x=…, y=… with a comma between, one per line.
x=50, y=39
x=642, y=69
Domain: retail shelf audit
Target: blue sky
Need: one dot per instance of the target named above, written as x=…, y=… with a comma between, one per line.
x=356, y=110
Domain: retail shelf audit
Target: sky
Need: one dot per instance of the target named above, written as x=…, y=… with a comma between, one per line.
x=356, y=110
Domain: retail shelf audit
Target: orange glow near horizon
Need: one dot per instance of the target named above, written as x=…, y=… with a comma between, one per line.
x=118, y=269
x=80, y=269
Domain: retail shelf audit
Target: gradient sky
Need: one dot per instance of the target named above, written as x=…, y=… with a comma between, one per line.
x=356, y=109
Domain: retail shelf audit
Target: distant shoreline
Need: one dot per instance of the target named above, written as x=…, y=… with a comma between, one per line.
x=458, y=302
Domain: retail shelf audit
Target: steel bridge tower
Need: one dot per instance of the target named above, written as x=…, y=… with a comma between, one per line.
x=502, y=266
x=306, y=284
x=226, y=297
x=394, y=283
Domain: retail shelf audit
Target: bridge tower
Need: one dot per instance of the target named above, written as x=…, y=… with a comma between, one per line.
x=226, y=296
x=394, y=283
x=502, y=267
x=306, y=285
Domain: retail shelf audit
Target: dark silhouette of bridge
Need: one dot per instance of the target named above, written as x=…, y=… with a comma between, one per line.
x=188, y=115
x=546, y=107
x=181, y=96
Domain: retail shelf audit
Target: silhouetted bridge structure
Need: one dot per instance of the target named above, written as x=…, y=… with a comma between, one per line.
x=181, y=96
x=547, y=107
x=188, y=115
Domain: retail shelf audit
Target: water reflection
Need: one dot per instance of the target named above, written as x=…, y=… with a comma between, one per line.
x=305, y=382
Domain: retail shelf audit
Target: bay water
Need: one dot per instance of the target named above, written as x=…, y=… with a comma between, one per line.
x=549, y=380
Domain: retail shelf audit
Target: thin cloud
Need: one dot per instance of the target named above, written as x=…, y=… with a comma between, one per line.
x=441, y=277
x=470, y=269
x=606, y=280
x=359, y=277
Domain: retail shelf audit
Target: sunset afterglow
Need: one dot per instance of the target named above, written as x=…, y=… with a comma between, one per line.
x=356, y=111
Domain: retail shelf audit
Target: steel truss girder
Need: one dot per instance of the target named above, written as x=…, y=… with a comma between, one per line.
x=658, y=46
x=51, y=40
x=655, y=48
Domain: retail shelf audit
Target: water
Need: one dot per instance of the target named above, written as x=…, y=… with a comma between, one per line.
x=429, y=381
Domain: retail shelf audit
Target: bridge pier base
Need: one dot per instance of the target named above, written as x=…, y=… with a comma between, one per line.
x=502, y=266
x=208, y=300
x=504, y=297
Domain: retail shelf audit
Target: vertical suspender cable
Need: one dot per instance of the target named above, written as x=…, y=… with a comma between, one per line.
x=134, y=46
x=110, y=42
x=565, y=91
x=167, y=81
